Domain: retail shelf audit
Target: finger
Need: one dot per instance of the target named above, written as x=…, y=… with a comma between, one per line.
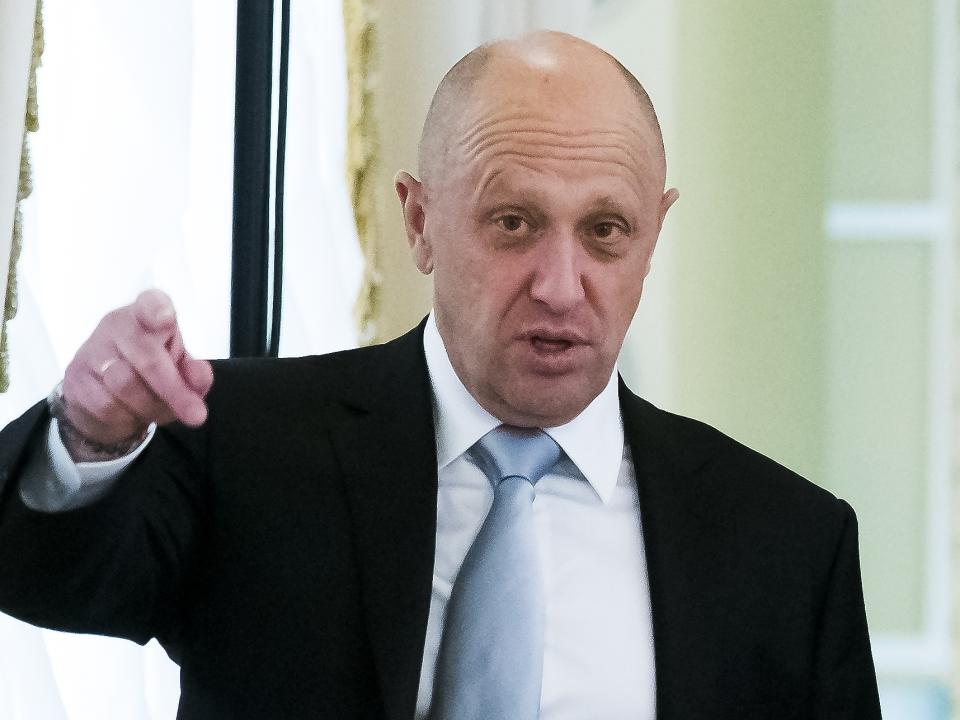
x=197, y=373
x=95, y=413
x=154, y=311
x=105, y=366
x=100, y=349
x=174, y=346
x=150, y=360
x=129, y=390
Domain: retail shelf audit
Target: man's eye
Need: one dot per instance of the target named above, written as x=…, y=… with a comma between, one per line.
x=604, y=230
x=511, y=223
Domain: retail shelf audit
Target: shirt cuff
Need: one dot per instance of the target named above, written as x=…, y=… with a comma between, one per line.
x=53, y=482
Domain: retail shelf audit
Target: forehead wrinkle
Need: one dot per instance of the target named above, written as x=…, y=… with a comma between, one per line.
x=492, y=130
x=515, y=159
x=496, y=172
x=487, y=180
x=550, y=130
x=516, y=156
x=514, y=124
x=535, y=138
x=565, y=146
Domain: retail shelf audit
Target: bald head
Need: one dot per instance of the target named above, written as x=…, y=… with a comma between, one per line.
x=541, y=57
x=539, y=205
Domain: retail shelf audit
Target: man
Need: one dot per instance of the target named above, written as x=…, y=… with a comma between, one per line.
x=345, y=536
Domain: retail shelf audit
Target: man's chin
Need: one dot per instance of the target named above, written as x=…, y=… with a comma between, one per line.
x=547, y=401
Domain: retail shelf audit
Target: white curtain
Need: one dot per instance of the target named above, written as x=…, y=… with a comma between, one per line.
x=133, y=171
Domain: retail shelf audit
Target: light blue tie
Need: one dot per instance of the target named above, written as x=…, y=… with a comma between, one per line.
x=490, y=665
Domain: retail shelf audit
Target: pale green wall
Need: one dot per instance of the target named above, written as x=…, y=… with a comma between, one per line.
x=878, y=416
x=750, y=276
x=813, y=351
x=880, y=299
x=881, y=101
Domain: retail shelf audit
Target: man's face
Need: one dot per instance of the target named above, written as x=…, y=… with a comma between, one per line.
x=539, y=231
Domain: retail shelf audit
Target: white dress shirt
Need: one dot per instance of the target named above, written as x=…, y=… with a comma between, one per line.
x=598, y=656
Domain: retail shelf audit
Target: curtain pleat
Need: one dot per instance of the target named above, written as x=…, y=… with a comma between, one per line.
x=24, y=187
x=362, y=153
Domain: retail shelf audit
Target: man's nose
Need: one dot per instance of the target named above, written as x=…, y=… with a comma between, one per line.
x=558, y=273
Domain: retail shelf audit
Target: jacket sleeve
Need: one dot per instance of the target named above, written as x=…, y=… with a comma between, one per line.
x=844, y=679
x=118, y=566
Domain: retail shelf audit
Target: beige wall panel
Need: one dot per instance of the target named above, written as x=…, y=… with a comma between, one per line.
x=417, y=43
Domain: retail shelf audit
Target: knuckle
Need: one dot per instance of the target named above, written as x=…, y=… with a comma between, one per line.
x=114, y=325
x=120, y=380
x=135, y=347
x=72, y=374
x=75, y=383
x=152, y=364
x=113, y=318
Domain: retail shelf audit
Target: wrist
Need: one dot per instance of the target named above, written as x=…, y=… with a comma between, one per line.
x=81, y=447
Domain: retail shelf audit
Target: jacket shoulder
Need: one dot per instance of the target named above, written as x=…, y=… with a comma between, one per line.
x=751, y=478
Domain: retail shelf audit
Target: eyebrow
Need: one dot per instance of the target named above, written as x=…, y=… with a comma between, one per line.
x=515, y=195
x=604, y=201
x=608, y=203
x=497, y=182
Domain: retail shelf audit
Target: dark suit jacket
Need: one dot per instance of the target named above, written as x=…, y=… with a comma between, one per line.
x=283, y=553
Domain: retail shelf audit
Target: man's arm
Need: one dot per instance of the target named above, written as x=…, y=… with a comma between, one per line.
x=131, y=374
x=108, y=562
x=116, y=566
x=844, y=681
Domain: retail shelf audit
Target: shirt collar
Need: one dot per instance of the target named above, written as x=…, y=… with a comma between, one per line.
x=593, y=440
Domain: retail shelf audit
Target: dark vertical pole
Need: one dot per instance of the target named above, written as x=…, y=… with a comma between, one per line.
x=251, y=178
x=273, y=348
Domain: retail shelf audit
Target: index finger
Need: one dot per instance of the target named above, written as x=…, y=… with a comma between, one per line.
x=154, y=311
x=149, y=358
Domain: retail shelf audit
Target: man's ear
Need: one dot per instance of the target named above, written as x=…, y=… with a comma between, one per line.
x=668, y=199
x=410, y=192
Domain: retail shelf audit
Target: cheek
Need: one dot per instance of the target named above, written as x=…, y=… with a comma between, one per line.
x=616, y=296
x=481, y=281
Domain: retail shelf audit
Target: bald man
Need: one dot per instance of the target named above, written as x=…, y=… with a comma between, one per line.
x=330, y=537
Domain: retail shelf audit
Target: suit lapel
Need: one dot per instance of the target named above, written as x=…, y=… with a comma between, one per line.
x=682, y=518
x=386, y=448
x=383, y=437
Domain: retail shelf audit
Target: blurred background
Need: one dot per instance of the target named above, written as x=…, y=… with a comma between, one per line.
x=803, y=294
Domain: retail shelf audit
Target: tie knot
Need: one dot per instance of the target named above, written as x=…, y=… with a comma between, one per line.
x=508, y=451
